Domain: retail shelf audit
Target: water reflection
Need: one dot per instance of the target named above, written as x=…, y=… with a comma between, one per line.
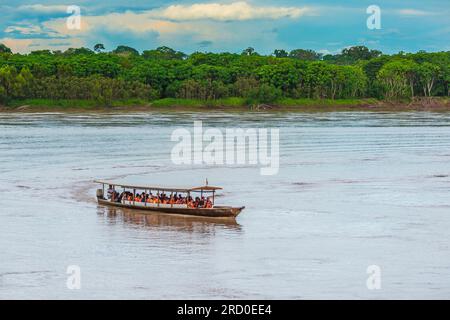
x=139, y=218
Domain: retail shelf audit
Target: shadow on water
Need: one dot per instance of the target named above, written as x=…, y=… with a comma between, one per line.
x=139, y=218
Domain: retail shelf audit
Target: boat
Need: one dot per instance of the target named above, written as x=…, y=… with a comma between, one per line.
x=112, y=198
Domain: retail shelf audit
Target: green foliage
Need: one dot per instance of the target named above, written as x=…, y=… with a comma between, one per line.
x=428, y=74
x=164, y=53
x=14, y=84
x=302, y=54
x=284, y=75
x=75, y=51
x=265, y=93
x=123, y=74
x=4, y=49
x=352, y=55
x=397, y=77
x=99, y=47
x=195, y=103
x=249, y=52
x=125, y=51
x=280, y=53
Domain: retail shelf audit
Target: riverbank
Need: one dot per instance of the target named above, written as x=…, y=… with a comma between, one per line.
x=229, y=104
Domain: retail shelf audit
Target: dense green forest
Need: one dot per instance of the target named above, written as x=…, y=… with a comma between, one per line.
x=124, y=73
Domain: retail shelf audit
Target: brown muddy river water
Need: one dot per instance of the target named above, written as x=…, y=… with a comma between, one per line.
x=353, y=190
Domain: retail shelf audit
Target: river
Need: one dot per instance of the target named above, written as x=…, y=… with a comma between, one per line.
x=354, y=189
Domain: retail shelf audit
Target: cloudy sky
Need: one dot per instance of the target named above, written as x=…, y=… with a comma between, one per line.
x=226, y=25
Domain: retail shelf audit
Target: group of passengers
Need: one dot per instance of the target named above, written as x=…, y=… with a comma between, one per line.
x=162, y=198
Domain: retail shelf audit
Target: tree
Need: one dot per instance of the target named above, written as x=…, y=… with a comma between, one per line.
x=284, y=76
x=360, y=53
x=428, y=73
x=318, y=76
x=352, y=55
x=13, y=84
x=394, y=79
x=79, y=73
x=243, y=87
x=301, y=54
x=280, y=53
x=4, y=49
x=41, y=52
x=125, y=50
x=25, y=80
x=266, y=94
x=7, y=82
x=352, y=82
x=99, y=47
x=249, y=52
x=164, y=53
x=78, y=51
x=446, y=79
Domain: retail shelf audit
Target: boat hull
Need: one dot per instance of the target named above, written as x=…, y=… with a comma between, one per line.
x=217, y=212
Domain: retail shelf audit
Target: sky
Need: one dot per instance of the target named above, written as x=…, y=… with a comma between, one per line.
x=226, y=25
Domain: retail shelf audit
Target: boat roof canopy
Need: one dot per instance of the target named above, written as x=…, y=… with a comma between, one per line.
x=160, y=188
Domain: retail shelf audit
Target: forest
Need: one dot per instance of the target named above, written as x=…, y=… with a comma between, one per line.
x=124, y=73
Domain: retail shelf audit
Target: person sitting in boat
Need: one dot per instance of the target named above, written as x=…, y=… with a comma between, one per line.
x=114, y=196
x=201, y=202
x=208, y=204
x=181, y=200
x=110, y=192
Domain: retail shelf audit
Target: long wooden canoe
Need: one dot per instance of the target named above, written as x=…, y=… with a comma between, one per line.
x=213, y=212
x=180, y=209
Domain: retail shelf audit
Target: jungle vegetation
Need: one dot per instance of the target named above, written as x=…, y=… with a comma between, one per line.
x=164, y=73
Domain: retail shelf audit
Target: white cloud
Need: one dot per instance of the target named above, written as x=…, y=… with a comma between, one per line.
x=43, y=8
x=32, y=30
x=237, y=11
x=26, y=30
x=169, y=25
x=414, y=12
x=27, y=45
x=196, y=20
x=117, y=22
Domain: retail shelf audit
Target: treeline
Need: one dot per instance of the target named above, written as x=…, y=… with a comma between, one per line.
x=124, y=73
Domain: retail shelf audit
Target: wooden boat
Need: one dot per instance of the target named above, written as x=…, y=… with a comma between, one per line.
x=111, y=199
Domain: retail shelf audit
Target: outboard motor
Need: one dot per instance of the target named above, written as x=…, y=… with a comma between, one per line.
x=100, y=194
